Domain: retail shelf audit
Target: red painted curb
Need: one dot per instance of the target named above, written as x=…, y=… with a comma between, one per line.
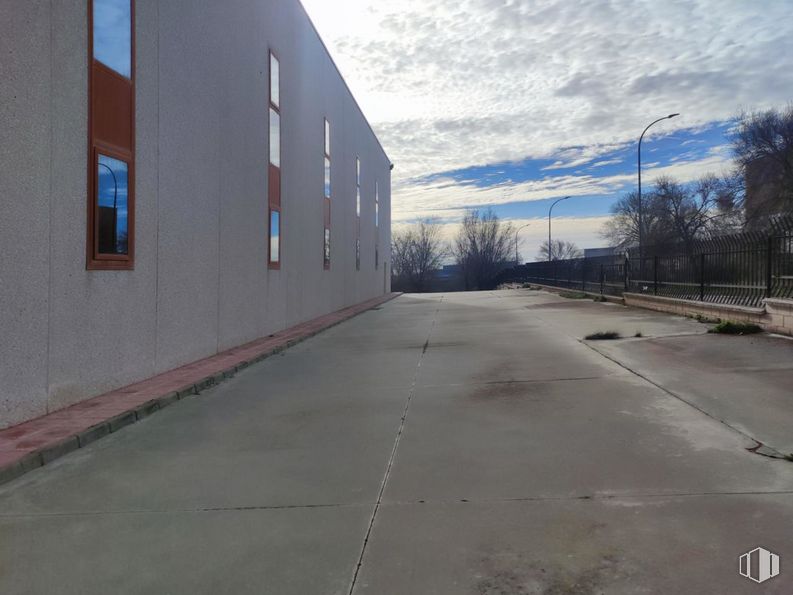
x=37, y=442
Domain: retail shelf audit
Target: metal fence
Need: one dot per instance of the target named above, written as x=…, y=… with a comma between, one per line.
x=741, y=269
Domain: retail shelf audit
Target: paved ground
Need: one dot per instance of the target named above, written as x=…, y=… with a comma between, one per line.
x=458, y=444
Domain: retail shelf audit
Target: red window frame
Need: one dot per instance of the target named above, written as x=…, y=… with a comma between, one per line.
x=274, y=172
x=111, y=132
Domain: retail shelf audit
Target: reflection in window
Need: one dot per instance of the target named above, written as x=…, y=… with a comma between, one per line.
x=327, y=138
x=112, y=217
x=358, y=253
x=275, y=236
x=376, y=205
x=327, y=177
x=113, y=35
x=327, y=247
x=358, y=187
x=275, y=138
x=275, y=81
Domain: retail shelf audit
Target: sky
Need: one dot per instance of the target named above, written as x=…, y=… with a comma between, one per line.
x=511, y=104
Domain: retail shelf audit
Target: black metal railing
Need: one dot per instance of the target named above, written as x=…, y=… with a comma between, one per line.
x=741, y=269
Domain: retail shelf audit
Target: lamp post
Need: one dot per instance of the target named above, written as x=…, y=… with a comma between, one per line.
x=549, y=225
x=669, y=117
x=516, y=243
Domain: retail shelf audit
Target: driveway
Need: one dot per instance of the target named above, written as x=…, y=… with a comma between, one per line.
x=440, y=444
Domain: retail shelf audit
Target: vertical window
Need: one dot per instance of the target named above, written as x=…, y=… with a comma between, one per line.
x=111, y=126
x=377, y=226
x=327, y=193
x=357, y=213
x=274, y=172
x=327, y=248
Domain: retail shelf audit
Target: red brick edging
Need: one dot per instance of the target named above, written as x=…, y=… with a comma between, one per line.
x=37, y=442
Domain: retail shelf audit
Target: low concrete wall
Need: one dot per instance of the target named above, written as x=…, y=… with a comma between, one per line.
x=776, y=316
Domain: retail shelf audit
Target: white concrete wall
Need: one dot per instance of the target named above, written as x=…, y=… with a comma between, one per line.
x=201, y=282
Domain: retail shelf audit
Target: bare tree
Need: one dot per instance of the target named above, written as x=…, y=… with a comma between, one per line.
x=622, y=230
x=417, y=251
x=674, y=212
x=763, y=149
x=560, y=250
x=483, y=248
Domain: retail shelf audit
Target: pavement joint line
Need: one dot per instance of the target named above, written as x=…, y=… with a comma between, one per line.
x=764, y=449
x=392, y=457
x=537, y=381
x=396, y=503
x=199, y=510
x=135, y=412
x=592, y=497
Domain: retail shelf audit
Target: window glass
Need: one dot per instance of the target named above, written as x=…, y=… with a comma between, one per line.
x=327, y=247
x=275, y=81
x=275, y=138
x=358, y=253
x=275, y=236
x=327, y=138
x=113, y=35
x=358, y=185
x=376, y=206
x=327, y=177
x=112, y=217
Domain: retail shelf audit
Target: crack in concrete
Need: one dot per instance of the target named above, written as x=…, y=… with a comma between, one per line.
x=392, y=458
x=766, y=451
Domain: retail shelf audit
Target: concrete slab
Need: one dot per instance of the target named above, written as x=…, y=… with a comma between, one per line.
x=288, y=551
x=746, y=381
x=578, y=547
x=512, y=458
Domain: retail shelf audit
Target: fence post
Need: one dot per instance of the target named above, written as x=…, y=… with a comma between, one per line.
x=769, y=268
x=655, y=275
x=626, y=267
x=702, y=277
x=602, y=280
x=583, y=275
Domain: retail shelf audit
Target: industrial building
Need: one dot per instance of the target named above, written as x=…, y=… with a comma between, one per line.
x=177, y=178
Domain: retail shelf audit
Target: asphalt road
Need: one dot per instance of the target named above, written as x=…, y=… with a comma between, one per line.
x=443, y=444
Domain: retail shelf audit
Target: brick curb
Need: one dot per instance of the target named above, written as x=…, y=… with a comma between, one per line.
x=37, y=442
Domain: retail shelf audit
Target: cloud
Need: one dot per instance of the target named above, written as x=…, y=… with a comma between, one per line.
x=450, y=84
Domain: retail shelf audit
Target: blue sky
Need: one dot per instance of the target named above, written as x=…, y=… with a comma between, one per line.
x=511, y=103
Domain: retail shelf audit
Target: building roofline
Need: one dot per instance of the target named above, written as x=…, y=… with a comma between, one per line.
x=344, y=82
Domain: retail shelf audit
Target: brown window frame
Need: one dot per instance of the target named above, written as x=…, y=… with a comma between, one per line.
x=94, y=259
x=327, y=192
x=274, y=172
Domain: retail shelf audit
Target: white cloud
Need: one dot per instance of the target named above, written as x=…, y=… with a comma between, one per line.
x=447, y=199
x=449, y=84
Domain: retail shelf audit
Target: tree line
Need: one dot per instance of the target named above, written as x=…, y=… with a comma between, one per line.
x=757, y=188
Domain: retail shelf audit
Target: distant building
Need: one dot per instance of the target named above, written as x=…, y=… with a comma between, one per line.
x=765, y=192
x=594, y=252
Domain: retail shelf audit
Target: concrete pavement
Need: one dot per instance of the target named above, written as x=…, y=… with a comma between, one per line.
x=464, y=443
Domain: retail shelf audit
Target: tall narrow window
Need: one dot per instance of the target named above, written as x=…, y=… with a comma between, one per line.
x=357, y=213
x=111, y=126
x=274, y=172
x=326, y=200
x=377, y=226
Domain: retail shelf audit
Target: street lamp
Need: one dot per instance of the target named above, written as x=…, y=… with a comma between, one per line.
x=549, y=225
x=669, y=117
x=516, y=243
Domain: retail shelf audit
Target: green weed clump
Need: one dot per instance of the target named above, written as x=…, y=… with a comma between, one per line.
x=735, y=328
x=573, y=295
x=603, y=336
